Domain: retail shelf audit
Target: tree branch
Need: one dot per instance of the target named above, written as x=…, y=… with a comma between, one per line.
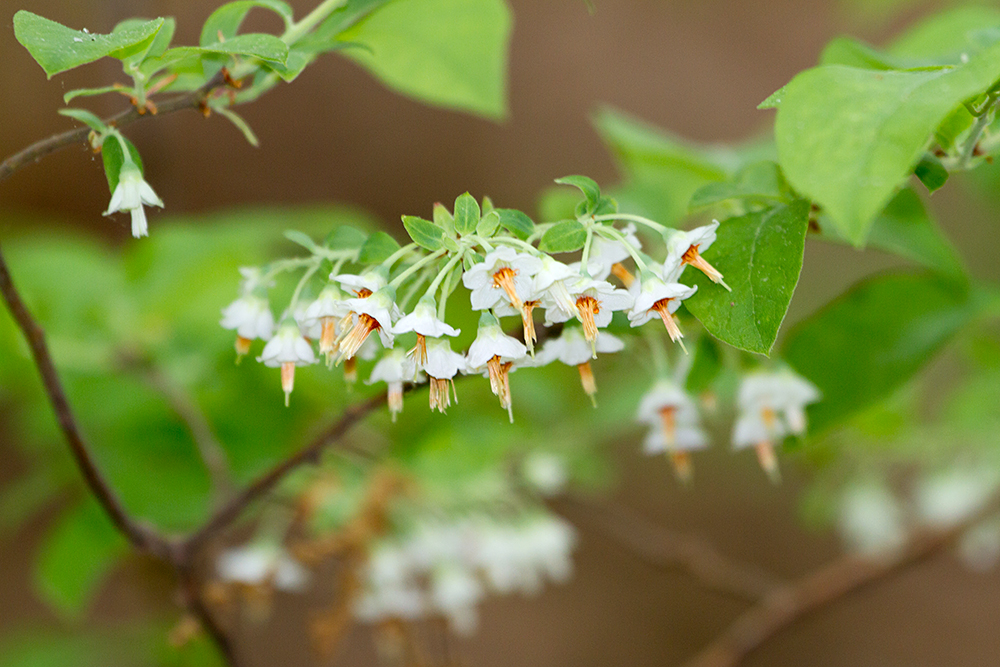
x=663, y=548
x=787, y=604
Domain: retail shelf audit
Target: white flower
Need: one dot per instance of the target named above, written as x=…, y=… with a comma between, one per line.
x=947, y=498
x=287, y=349
x=325, y=313
x=375, y=312
x=871, y=520
x=503, y=273
x=131, y=193
x=424, y=321
x=675, y=425
x=656, y=298
x=573, y=349
x=367, y=283
x=250, y=316
x=394, y=368
x=596, y=301
x=454, y=593
x=441, y=365
x=605, y=253
x=256, y=565
x=545, y=473
x=495, y=351
x=684, y=439
x=783, y=393
x=684, y=248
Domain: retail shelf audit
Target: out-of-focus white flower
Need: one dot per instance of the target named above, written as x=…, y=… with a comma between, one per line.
x=365, y=284
x=287, y=349
x=656, y=298
x=545, y=473
x=455, y=592
x=251, y=317
x=394, y=368
x=573, y=349
x=131, y=193
x=258, y=565
x=675, y=425
x=504, y=273
x=871, y=520
x=685, y=248
x=948, y=497
x=494, y=351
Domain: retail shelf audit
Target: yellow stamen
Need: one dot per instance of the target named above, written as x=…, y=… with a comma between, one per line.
x=420, y=350
x=668, y=415
x=500, y=382
x=529, y=325
x=619, y=271
x=350, y=371
x=588, y=382
x=328, y=338
x=669, y=321
x=242, y=347
x=363, y=293
x=504, y=279
x=356, y=337
x=768, y=461
x=395, y=399
x=692, y=257
x=587, y=307
x=440, y=394
x=683, y=466
x=287, y=379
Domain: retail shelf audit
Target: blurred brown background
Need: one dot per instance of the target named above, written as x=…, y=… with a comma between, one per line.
x=698, y=68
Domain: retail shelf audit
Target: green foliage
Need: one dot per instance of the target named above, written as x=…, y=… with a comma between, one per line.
x=225, y=21
x=758, y=183
x=466, y=214
x=564, y=236
x=425, y=234
x=377, y=248
x=58, y=48
x=760, y=256
x=447, y=52
x=516, y=222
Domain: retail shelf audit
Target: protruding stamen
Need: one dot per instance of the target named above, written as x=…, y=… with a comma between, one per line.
x=588, y=382
x=768, y=460
x=395, y=399
x=350, y=371
x=242, y=347
x=419, y=350
x=683, y=466
x=529, y=325
x=440, y=394
x=619, y=271
x=287, y=379
x=669, y=321
x=587, y=307
x=500, y=382
x=668, y=415
x=504, y=279
x=328, y=338
x=697, y=261
x=356, y=337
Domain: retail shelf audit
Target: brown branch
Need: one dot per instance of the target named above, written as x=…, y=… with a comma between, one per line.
x=666, y=549
x=787, y=604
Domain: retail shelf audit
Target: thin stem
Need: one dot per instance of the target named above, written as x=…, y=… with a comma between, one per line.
x=300, y=28
x=444, y=272
x=663, y=229
x=396, y=256
x=519, y=243
x=302, y=283
x=585, y=256
x=615, y=235
x=660, y=366
x=982, y=121
x=416, y=266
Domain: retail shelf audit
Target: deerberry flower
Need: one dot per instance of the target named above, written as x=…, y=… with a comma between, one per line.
x=251, y=317
x=656, y=298
x=676, y=430
x=573, y=349
x=375, y=312
x=259, y=565
x=454, y=593
x=595, y=302
x=503, y=273
x=365, y=284
x=684, y=248
x=424, y=322
x=605, y=253
x=287, y=349
x=441, y=366
x=131, y=193
x=329, y=308
x=394, y=368
x=495, y=351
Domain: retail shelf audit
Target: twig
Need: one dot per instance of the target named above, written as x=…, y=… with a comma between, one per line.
x=663, y=548
x=194, y=601
x=787, y=604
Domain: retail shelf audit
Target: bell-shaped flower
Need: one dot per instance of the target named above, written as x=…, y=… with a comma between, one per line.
x=455, y=592
x=495, y=351
x=131, y=194
x=394, y=368
x=326, y=311
x=373, y=313
x=503, y=274
x=595, y=302
x=287, y=349
x=573, y=349
x=251, y=317
x=425, y=323
x=685, y=248
x=871, y=520
x=675, y=423
x=441, y=366
x=605, y=253
x=659, y=299
x=364, y=284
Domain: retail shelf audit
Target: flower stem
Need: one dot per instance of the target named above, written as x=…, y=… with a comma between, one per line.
x=615, y=235
x=396, y=256
x=299, y=29
x=519, y=243
x=663, y=229
x=982, y=120
x=416, y=266
x=313, y=268
x=443, y=273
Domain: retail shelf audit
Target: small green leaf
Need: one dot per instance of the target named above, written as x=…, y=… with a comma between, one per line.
x=300, y=238
x=466, y=214
x=760, y=257
x=58, y=48
x=377, y=248
x=114, y=158
x=865, y=344
x=757, y=183
x=931, y=172
x=452, y=53
x=90, y=92
x=225, y=22
x=75, y=556
x=588, y=186
x=487, y=205
x=488, y=224
x=88, y=118
x=516, y=222
x=852, y=53
x=240, y=124
x=155, y=48
x=773, y=101
x=424, y=233
x=565, y=236
x=444, y=219
x=345, y=237
x=254, y=45
x=848, y=138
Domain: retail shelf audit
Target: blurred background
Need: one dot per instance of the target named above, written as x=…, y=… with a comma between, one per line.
x=695, y=68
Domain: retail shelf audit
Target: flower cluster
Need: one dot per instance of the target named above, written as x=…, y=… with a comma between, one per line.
x=445, y=569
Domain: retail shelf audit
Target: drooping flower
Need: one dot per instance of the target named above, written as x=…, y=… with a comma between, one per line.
x=656, y=298
x=251, y=317
x=494, y=352
x=373, y=313
x=394, y=368
x=455, y=592
x=573, y=349
x=675, y=423
x=545, y=472
x=605, y=253
x=329, y=308
x=871, y=520
x=425, y=323
x=441, y=366
x=365, y=284
x=261, y=565
x=503, y=274
x=596, y=300
x=287, y=349
x=131, y=194
x=685, y=248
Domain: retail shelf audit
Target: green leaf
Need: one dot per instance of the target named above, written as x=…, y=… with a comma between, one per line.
x=946, y=35
x=865, y=344
x=253, y=45
x=760, y=257
x=424, y=233
x=852, y=53
x=301, y=238
x=756, y=183
x=155, y=48
x=565, y=236
x=114, y=158
x=931, y=172
x=326, y=36
x=905, y=228
x=88, y=118
x=848, y=137
x=466, y=214
x=773, y=101
x=75, y=557
x=89, y=92
x=444, y=219
x=58, y=48
x=516, y=222
x=227, y=19
x=489, y=223
x=377, y=248
x=452, y=53
x=345, y=237
x=591, y=191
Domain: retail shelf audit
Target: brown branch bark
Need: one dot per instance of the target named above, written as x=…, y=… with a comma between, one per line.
x=787, y=604
x=666, y=549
